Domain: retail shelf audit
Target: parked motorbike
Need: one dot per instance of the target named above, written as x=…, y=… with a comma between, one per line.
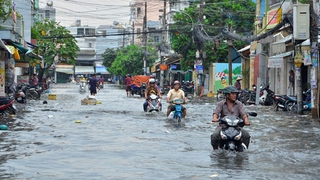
x=280, y=102
x=7, y=107
x=177, y=113
x=154, y=103
x=231, y=136
x=19, y=94
x=267, y=96
x=32, y=92
x=187, y=87
x=291, y=103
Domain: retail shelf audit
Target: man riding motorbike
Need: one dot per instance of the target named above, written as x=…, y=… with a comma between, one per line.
x=175, y=93
x=151, y=89
x=230, y=106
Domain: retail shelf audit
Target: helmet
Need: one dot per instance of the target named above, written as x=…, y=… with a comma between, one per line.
x=230, y=89
x=152, y=81
x=176, y=82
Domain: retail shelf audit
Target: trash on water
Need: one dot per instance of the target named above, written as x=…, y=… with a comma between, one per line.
x=214, y=175
x=50, y=116
x=78, y=121
x=99, y=102
x=87, y=116
x=3, y=127
x=167, y=131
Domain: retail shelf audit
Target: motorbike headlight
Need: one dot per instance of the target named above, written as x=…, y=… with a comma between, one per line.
x=238, y=137
x=223, y=136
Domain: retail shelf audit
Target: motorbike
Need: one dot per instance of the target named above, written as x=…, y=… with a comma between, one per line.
x=231, y=136
x=267, y=96
x=177, y=113
x=32, y=92
x=19, y=94
x=280, y=102
x=187, y=87
x=291, y=103
x=82, y=86
x=154, y=103
x=138, y=90
x=7, y=107
x=100, y=84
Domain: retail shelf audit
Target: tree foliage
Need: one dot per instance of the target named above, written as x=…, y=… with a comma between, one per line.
x=54, y=42
x=129, y=60
x=5, y=9
x=109, y=56
x=237, y=16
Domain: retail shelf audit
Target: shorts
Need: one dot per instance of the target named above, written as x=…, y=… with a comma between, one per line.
x=93, y=91
x=171, y=107
x=128, y=88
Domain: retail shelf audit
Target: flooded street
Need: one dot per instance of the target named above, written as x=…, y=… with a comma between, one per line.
x=117, y=140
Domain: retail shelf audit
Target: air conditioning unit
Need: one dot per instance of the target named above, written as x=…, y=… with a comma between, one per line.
x=301, y=21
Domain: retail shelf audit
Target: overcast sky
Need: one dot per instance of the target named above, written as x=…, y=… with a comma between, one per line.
x=90, y=12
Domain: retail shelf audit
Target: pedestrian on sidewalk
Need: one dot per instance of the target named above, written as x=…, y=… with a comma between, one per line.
x=291, y=80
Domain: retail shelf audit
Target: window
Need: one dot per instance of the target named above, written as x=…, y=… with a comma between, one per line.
x=90, y=31
x=80, y=31
x=138, y=30
x=90, y=45
x=156, y=39
x=47, y=14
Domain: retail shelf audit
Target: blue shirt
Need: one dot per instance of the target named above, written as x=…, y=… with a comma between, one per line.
x=93, y=83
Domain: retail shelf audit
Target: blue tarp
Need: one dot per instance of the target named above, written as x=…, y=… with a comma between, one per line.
x=101, y=70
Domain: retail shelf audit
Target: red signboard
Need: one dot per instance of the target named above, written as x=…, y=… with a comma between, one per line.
x=163, y=67
x=274, y=17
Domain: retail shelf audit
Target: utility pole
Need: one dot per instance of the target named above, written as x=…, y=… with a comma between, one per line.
x=230, y=61
x=199, y=81
x=315, y=62
x=132, y=33
x=163, y=40
x=145, y=39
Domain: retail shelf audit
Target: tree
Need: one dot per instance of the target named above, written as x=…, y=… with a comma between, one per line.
x=5, y=9
x=129, y=60
x=233, y=15
x=109, y=56
x=54, y=42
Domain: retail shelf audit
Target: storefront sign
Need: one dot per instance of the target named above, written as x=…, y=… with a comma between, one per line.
x=163, y=67
x=275, y=63
x=306, y=58
x=274, y=18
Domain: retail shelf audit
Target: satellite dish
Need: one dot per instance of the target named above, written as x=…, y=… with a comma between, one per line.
x=115, y=23
x=49, y=3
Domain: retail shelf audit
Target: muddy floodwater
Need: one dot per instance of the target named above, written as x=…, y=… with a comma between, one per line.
x=117, y=140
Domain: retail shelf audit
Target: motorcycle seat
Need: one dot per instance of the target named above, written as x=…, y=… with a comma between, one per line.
x=4, y=100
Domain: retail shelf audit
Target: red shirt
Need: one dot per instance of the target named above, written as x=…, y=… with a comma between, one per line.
x=128, y=81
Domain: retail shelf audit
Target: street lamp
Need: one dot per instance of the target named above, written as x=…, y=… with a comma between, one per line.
x=194, y=74
x=175, y=11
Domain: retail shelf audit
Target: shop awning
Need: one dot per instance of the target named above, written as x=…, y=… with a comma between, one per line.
x=277, y=60
x=8, y=48
x=20, y=47
x=244, y=49
x=284, y=40
x=101, y=70
x=21, y=64
x=66, y=69
x=84, y=70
